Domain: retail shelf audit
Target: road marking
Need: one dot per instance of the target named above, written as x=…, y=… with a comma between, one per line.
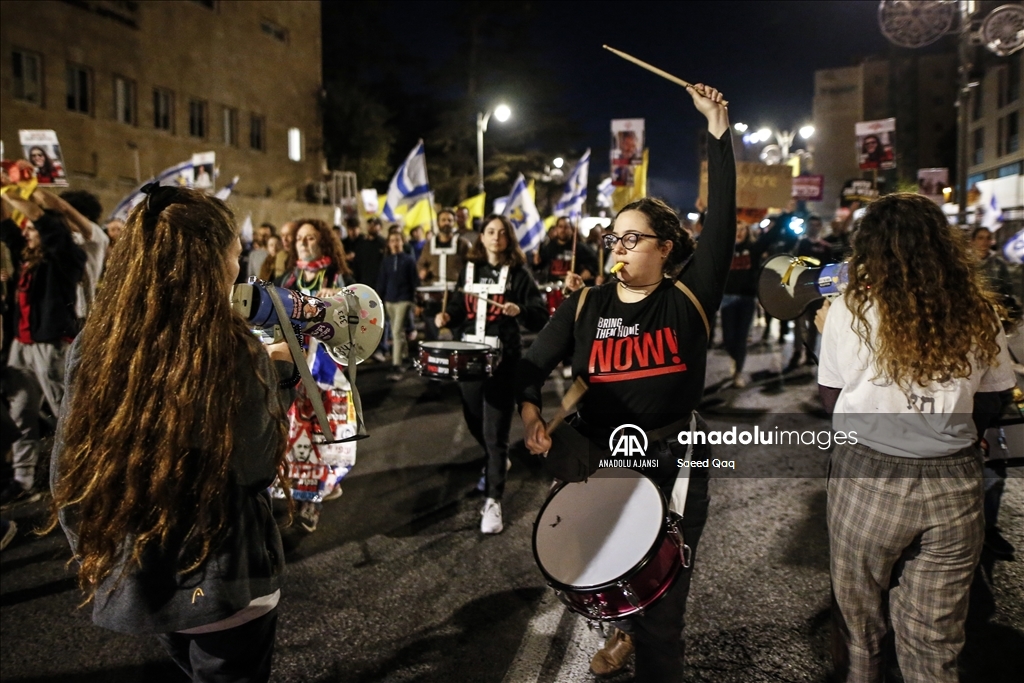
x=536, y=644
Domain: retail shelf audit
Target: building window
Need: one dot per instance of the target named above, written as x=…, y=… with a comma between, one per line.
x=124, y=100
x=976, y=102
x=1013, y=78
x=973, y=180
x=163, y=109
x=1010, y=169
x=229, y=126
x=295, y=144
x=197, y=118
x=79, y=90
x=275, y=31
x=208, y=4
x=1009, y=133
x=28, y=76
x=979, y=146
x=257, y=132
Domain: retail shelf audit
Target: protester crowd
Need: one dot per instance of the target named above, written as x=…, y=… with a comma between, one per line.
x=53, y=266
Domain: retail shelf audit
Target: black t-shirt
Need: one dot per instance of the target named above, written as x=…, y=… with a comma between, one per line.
x=557, y=258
x=369, y=254
x=519, y=289
x=746, y=267
x=644, y=362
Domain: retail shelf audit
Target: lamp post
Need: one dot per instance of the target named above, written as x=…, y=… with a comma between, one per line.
x=785, y=138
x=502, y=113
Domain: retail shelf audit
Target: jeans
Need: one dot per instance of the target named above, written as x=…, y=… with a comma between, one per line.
x=34, y=372
x=737, y=315
x=488, y=406
x=397, y=312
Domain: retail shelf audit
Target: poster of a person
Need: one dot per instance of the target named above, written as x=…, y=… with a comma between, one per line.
x=876, y=144
x=627, y=149
x=203, y=168
x=43, y=152
x=931, y=182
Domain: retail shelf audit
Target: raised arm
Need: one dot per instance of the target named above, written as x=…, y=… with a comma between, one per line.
x=709, y=269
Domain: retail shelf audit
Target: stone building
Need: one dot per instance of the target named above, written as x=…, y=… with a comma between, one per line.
x=994, y=145
x=132, y=88
x=919, y=90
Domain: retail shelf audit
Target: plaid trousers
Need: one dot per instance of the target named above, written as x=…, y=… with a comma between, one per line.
x=912, y=528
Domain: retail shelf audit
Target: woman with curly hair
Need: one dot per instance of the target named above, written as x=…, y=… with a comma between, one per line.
x=170, y=433
x=908, y=353
x=320, y=264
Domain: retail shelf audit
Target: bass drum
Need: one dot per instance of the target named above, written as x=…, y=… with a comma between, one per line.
x=607, y=546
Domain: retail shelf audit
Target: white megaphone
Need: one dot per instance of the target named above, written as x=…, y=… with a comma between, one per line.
x=789, y=284
x=349, y=324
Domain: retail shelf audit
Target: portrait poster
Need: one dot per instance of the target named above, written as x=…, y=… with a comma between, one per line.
x=203, y=165
x=627, y=150
x=931, y=182
x=43, y=151
x=876, y=144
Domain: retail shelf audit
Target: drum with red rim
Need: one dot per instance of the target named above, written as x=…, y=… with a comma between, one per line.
x=607, y=545
x=456, y=360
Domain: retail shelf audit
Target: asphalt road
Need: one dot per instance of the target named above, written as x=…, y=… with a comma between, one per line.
x=398, y=584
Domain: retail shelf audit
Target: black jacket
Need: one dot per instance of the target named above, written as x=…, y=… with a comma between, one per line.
x=250, y=561
x=53, y=292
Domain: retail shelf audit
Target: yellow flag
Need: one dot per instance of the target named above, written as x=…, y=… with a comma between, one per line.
x=421, y=213
x=549, y=222
x=531, y=188
x=622, y=196
x=475, y=204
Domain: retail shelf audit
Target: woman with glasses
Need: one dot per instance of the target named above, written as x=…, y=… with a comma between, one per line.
x=640, y=342
x=170, y=432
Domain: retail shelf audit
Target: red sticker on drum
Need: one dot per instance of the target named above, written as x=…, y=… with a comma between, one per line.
x=373, y=321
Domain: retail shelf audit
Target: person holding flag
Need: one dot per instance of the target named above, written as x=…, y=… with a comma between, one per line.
x=498, y=294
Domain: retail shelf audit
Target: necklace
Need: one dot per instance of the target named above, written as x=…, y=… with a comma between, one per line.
x=639, y=288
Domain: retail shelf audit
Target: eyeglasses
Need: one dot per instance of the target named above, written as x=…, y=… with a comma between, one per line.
x=629, y=240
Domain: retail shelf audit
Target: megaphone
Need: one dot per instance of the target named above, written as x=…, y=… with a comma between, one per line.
x=350, y=324
x=789, y=284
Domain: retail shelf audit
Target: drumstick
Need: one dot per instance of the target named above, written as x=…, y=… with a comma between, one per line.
x=575, y=235
x=490, y=301
x=655, y=70
x=569, y=401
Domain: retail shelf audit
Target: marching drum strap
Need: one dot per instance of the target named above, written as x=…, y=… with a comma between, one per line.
x=353, y=322
x=679, y=490
x=700, y=309
x=301, y=364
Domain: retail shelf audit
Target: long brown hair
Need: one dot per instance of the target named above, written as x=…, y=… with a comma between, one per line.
x=328, y=241
x=935, y=314
x=149, y=433
x=512, y=256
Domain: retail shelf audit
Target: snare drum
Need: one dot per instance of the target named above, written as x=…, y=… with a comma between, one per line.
x=457, y=360
x=607, y=545
x=553, y=296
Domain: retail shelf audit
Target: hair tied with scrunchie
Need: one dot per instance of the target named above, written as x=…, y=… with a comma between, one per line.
x=158, y=198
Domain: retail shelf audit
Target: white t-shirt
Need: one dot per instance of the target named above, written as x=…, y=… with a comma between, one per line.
x=927, y=422
x=95, y=250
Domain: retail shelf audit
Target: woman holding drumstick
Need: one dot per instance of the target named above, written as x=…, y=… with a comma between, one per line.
x=640, y=342
x=499, y=294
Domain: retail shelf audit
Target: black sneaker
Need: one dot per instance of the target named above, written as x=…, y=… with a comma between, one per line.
x=16, y=493
x=997, y=545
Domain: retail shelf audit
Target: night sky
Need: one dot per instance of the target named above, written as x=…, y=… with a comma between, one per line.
x=761, y=55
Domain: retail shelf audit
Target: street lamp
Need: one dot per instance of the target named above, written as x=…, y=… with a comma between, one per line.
x=806, y=131
x=558, y=162
x=502, y=113
x=740, y=127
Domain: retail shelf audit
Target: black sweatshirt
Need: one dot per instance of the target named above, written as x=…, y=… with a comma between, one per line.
x=644, y=362
x=520, y=289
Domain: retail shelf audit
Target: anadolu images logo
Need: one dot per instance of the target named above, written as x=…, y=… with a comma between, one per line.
x=625, y=441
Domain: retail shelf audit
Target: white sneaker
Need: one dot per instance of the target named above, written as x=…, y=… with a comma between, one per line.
x=738, y=380
x=491, y=522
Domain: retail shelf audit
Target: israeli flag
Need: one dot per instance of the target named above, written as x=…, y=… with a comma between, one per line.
x=993, y=215
x=180, y=174
x=1013, y=250
x=523, y=214
x=575, y=194
x=604, y=193
x=225, y=192
x=410, y=182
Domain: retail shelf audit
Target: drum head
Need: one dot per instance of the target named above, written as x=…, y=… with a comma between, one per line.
x=454, y=346
x=593, y=533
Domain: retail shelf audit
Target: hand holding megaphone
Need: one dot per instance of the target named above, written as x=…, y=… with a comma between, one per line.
x=349, y=323
x=789, y=284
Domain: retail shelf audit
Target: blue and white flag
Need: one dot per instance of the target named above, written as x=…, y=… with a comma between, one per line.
x=181, y=175
x=524, y=216
x=992, y=216
x=1013, y=250
x=604, y=193
x=575, y=195
x=225, y=192
x=500, y=203
x=410, y=182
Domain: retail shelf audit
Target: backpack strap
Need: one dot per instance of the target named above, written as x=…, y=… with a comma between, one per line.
x=700, y=309
x=579, y=304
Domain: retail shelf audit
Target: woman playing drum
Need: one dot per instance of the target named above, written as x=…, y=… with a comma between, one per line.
x=641, y=345
x=499, y=293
